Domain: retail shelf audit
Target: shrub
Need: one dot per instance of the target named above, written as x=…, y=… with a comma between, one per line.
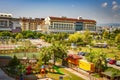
x=118, y=47
x=14, y=62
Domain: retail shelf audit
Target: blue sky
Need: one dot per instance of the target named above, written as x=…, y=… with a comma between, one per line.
x=103, y=11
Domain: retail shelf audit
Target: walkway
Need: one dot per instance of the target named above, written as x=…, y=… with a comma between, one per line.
x=114, y=66
x=77, y=73
x=4, y=76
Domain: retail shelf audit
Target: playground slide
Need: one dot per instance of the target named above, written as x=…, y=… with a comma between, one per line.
x=57, y=69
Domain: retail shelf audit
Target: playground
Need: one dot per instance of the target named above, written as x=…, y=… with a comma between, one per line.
x=31, y=70
x=60, y=72
x=55, y=73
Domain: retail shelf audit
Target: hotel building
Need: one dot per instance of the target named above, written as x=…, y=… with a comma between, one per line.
x=8, y=23
x=47, y=25
x=69, y=25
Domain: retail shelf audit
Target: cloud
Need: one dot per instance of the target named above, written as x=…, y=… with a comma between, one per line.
x=115, y=7
x=114, y=3
x=104, y=4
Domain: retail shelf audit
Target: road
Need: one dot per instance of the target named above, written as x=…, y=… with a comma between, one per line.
x=114, y=66
x=4, y=76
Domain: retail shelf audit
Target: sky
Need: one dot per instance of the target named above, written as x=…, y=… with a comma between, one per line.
x=103, y=11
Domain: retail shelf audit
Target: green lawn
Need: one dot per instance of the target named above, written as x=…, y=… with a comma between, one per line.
x=67, y=75
x=111, y=52
x=21, y=55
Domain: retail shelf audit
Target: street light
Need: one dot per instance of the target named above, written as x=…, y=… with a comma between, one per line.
x=24, y=48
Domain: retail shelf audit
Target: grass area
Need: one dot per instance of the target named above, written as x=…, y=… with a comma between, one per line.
x=21, y=55
x=96, y=75
x=67, y=75
x=111, y=52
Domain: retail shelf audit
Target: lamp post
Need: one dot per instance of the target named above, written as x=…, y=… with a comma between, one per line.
x=110, y=31
x=24, y=49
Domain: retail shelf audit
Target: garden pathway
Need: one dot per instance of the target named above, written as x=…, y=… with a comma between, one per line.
x=4, y=76
x=77, y=73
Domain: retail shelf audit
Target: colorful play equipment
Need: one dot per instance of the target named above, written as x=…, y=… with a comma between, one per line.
x=42, y=71
x=28, y=70
x=76, y=62
x=57, y=70
x=73, y=59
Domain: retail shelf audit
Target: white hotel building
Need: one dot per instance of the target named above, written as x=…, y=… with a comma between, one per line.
x=68, y=25
x=8, y=23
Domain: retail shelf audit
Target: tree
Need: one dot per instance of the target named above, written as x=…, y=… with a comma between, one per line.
x=5, y=33
x=76, y=37
x=99, y=59
x=53, y=52
x=72, y=38
x=14, y=62
x=29, y=35
x=19, y=36
x=106, y=35
x=117, y=39
x=58, y=51
x=45, y=55
x=87, y=37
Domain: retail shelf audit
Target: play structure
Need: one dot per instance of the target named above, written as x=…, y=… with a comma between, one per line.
x=28, y=70
x=75, y=61
x=57, y=70
x=87, y=66
x=43, y=71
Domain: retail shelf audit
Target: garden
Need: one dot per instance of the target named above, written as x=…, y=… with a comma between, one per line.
x=56, y=53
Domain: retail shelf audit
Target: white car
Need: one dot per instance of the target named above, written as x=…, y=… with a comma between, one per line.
x=117, y=63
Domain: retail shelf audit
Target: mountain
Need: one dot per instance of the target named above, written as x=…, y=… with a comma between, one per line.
x=109, y=25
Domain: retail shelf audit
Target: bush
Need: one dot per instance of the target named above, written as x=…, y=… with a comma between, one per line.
x=14, y=62
x=81, y=44
x=118, y=47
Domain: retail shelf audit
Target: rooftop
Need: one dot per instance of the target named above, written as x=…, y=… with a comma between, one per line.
x=71, y=19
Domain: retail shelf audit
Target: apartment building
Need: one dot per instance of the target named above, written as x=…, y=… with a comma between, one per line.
x=69, y=25
x=31, y=24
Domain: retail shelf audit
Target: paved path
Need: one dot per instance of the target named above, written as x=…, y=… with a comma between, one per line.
x=114, y=66
x=3, y=76
x=78, y=74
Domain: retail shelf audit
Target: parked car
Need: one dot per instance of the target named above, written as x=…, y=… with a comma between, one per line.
x=108, y=59
x=112, y=61
x=117, y=63
x=82, y=53
x=100, y=45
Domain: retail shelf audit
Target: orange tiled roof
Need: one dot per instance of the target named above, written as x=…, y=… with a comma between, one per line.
x=71, y=19
x=74, y=56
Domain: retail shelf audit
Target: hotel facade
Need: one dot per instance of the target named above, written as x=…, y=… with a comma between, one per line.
x=68, y=25
x=45, y=25
x=8, y=23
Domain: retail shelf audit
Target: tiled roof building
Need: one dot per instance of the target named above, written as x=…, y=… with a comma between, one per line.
x=30, y=24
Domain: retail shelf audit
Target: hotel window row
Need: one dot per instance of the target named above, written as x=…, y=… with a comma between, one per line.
x=62, y=26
